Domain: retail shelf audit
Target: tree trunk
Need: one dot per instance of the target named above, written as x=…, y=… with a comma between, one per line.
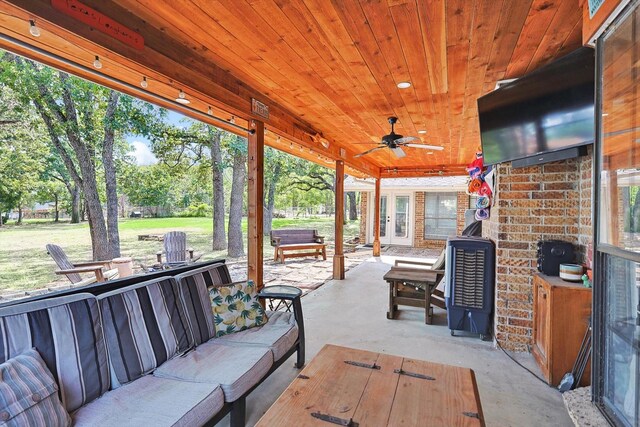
x=236, y=246
x=19, y=214
x=353, y=209
x=75, y=205
x=270, y=200
x=113, y=234
x=57, y=215
x=217, y=168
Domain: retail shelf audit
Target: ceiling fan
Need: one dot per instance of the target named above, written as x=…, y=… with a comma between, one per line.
x=395, y=141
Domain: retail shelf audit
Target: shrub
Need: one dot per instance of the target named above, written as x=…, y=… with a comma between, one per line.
x=201, y=210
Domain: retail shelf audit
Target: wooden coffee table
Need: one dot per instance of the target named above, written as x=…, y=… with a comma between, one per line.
x=349, y=387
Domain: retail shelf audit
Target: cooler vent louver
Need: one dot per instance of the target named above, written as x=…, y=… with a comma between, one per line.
x=469, y=270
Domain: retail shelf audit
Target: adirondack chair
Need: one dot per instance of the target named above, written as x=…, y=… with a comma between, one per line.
x=101, y=269
x=175, y=249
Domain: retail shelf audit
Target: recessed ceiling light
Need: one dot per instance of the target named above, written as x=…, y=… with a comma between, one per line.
x=605, y=114
x=182, y=98
x=404, y=85
x=429, y=152
x=422, y=131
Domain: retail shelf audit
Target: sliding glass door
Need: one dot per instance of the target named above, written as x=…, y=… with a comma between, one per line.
x=616, y=360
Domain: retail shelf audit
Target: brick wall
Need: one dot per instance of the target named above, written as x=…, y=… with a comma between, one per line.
x=551, y=201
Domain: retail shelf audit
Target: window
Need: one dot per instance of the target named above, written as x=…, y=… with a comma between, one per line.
x=440, y=215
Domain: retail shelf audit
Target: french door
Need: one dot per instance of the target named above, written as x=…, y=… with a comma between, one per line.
x=396, y=219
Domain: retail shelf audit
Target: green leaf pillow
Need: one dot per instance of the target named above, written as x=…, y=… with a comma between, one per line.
x=236, y=307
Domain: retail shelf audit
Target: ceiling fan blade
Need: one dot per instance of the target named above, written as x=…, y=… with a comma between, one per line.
x=406, y=139
x=426, y=147
x=369, y=151
x=398, y=152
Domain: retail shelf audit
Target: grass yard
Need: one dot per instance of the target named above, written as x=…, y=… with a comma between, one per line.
x=25, y=264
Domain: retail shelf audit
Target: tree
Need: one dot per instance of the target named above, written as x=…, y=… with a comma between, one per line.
x=50, y=190
x=353, y=208
x=217, y=170
x=22, y=152
x=81, y=120
x=277, y=164
x=148, y=185
x=238, y=148
x=85, y=124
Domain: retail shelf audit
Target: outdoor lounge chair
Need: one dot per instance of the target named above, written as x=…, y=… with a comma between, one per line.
x=101, y=269
x=175, y=249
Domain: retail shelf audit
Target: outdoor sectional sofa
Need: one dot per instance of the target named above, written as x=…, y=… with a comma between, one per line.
x=146, y=353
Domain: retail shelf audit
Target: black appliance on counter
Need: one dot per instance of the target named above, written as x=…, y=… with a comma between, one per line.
x=552, y=253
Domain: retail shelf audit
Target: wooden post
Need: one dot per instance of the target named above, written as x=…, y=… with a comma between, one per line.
x=255, y=203
x=338, y=257
x=376, y=220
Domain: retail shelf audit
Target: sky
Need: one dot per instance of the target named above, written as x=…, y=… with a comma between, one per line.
x=141, y=146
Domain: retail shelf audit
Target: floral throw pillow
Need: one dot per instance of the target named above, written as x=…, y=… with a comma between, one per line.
x=236, y=307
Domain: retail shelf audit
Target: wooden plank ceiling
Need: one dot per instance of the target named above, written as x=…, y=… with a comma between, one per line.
x=335, y=64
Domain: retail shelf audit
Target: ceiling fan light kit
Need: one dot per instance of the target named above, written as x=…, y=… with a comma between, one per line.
x=395, y=142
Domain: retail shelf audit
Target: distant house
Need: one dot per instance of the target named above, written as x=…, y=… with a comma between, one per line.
x=418, y=212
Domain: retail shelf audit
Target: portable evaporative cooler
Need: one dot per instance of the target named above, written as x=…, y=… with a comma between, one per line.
x=470, y=280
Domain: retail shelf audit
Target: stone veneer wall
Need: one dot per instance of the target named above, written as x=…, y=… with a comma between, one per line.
x=551, y=201
x=418, y=238
x=363, y=217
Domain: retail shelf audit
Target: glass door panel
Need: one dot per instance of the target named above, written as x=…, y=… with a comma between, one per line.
x=402, y=217
x=383, y=216
x=616, y=289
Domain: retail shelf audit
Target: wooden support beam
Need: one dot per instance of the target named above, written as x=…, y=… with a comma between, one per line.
x=376, y=219
x=338, y=257
x=256, y=202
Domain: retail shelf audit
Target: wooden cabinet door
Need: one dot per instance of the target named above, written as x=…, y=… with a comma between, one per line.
x=541, y=332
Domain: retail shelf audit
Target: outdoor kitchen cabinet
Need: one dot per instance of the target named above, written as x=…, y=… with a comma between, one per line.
x=561, y=312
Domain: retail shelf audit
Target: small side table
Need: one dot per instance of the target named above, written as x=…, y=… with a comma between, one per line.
x=425, y=280
x=289, y=298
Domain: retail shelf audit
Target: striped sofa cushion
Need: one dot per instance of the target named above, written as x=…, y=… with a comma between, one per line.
x=144, y=327
x=29, y=394
x=67, y=333
x=194, y=294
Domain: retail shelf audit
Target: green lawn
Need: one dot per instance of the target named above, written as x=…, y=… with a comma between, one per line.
x=24, y=263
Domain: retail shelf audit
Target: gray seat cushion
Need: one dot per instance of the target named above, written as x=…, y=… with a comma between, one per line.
x=279, y=334
x=235, y=368
x=152, y=401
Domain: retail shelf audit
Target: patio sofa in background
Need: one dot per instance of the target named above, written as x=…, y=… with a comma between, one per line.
x=146, y=353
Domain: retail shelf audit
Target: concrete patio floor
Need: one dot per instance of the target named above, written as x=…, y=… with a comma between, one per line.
x=352, y=313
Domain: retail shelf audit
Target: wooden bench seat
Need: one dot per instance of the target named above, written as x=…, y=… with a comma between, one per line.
x=304, y=242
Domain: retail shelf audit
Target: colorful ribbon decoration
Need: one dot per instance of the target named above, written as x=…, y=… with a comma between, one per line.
x=485, y=189
x=475, y=185
x=482, y=214
x=483, y=202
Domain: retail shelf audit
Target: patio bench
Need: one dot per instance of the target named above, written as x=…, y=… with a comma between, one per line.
x=147, y=353
x=307, y=241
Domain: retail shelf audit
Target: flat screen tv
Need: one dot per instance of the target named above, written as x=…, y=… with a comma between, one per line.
x=545, y=111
